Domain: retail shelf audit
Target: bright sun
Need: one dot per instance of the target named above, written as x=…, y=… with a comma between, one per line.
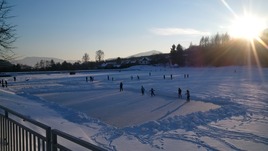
x=248, y=27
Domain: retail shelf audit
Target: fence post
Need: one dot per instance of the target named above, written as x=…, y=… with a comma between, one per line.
x=6, y=114
x=54, y=142
x=48, y=135
x=4, y=141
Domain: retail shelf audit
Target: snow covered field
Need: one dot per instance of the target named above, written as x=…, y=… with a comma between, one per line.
x=228, y=108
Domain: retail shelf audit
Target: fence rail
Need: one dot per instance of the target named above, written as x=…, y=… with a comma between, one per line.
x=20, y=133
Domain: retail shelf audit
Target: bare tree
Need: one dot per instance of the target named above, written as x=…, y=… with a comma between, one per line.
x=7, y=35
x=85, y=58
x=99, y=55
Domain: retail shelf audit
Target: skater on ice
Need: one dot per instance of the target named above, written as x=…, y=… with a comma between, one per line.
x=142, y=90
x=152, y=92
x=187, y=95
x=121, y=86
x=3, y=85
x=91, y=79
x=179, y=93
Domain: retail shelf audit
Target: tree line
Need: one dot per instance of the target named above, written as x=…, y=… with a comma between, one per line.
x=222, y=50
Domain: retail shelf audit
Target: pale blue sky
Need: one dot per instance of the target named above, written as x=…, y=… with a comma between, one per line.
x=67, y=29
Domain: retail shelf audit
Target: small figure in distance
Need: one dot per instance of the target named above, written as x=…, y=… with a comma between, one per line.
x=3, y=85
x=152, y=92
x=6, y=83
x=142, y=90
x=179, y=93
x=121, y=86
x=91, y=78
x=187, y=95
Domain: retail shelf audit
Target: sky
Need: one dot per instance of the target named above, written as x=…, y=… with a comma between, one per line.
x=67, y=29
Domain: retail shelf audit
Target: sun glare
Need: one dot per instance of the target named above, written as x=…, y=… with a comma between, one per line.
x=248, y=27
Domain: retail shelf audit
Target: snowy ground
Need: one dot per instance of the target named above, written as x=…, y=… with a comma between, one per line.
x=228, y=108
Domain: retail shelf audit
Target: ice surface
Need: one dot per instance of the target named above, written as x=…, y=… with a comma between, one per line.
x=228, y=108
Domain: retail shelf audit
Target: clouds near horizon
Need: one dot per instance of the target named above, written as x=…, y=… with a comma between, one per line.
x=177, y=31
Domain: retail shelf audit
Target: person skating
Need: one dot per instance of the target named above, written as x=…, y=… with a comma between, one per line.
x=179, y=93
x=142, y=90
x=187, y=95
x=3, y=85
x=6, y=83
x=152, y=92
x=121, y=86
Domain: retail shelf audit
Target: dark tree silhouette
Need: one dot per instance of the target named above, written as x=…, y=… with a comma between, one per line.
x=85, y=58
x=180, y=59
x=176, y=55
x=7, y=35
x=118, y=60
x=99, y=55
x=173, y=54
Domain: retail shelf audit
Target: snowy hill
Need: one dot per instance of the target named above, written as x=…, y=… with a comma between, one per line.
x=148, y=53
x=31, y=61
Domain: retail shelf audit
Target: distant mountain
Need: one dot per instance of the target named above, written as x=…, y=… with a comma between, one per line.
x=31, y=61
x=148, y=53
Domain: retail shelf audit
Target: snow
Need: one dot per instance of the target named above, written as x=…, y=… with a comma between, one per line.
x=228, y=108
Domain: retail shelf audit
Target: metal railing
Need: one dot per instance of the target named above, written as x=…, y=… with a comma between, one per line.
x=20, y=133
x=56, y=134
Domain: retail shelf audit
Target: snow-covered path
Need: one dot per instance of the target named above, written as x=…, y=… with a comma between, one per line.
x=228, y=108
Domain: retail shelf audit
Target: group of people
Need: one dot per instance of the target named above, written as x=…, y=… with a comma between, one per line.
x=152, y=91
x=91, y=79
x=138, y=77
x=187, y=94
x=4, y=83
x=171, y=76
x=186, y=75
x=108, y=78
x=153, y=94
